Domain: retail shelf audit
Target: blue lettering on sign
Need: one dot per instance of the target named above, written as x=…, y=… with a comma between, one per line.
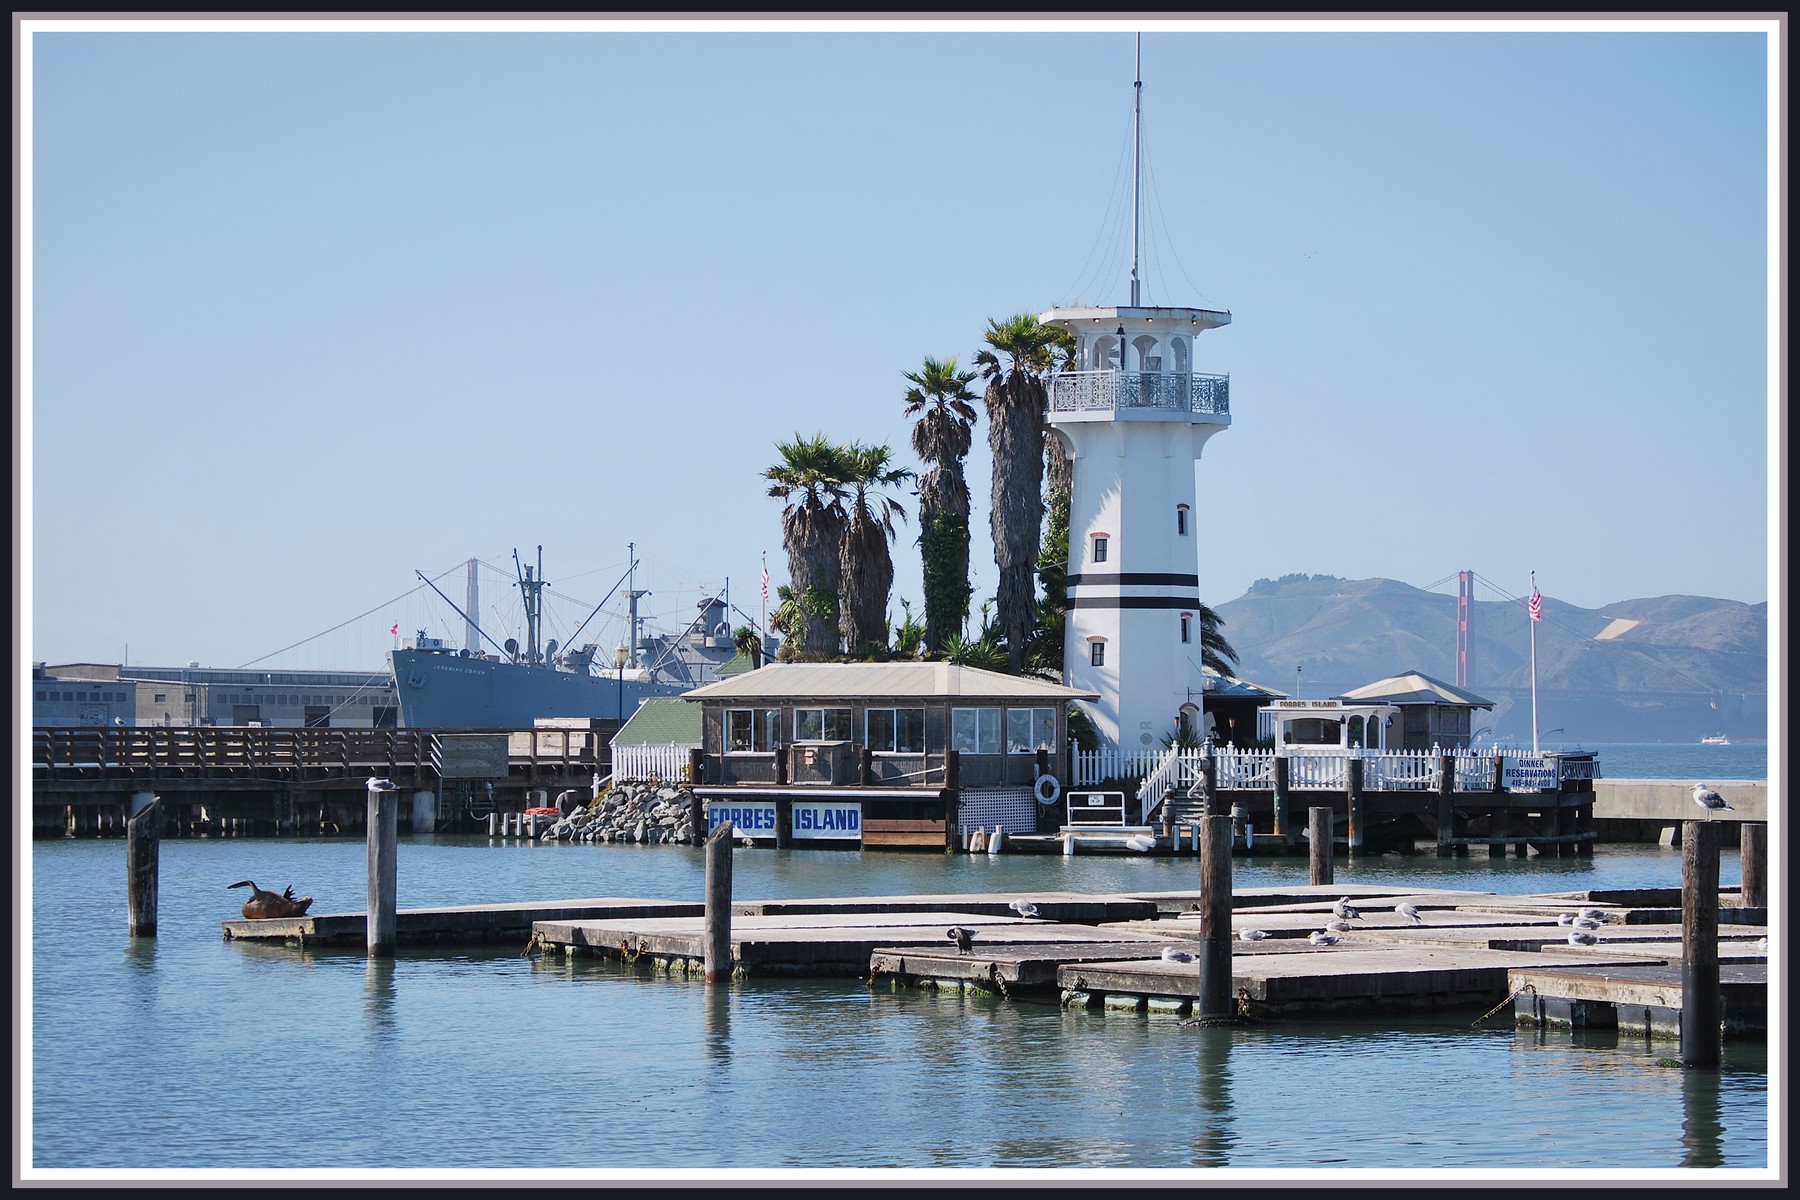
x=749, y=818
x=828, y=820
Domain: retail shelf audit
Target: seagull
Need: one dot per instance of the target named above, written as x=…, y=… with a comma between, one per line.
x=1339, y=925
x=1345, y=912
x=1024, y=908
x=1582, y=937
x=382, y=785
x=1710, y=800
x=1411, y=912
x=1587, y=923
x=1594, y=914
x=962, y=937
x=1565, y=918
x=1321, y=938
x=1171, y=954
x=1252, y=935
x=1762, y=944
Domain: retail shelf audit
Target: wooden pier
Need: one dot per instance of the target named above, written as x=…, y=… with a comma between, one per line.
x=222, y=781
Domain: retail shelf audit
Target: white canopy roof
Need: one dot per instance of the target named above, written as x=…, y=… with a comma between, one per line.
x=896, y=680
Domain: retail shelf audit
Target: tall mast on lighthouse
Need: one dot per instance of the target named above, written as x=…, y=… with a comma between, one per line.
x=1134, y=438
x=1137, y=160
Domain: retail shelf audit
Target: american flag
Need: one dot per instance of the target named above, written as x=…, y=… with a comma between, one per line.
x=765, y=581
x=1535, y=605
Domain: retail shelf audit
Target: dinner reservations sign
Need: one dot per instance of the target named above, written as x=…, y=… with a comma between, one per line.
x=1529, y=774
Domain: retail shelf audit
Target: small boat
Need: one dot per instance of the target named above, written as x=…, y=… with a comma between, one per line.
x=1717, y=739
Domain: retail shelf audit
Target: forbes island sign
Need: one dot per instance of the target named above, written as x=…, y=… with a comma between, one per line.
x=813, y=820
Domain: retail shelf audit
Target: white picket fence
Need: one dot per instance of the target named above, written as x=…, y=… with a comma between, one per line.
x=666, y=763
x=1383, y=771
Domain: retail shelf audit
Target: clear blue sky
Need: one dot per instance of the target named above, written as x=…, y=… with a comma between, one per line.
x=312, y=310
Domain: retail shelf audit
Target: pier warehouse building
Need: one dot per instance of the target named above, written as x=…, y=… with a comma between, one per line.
x=94, y=694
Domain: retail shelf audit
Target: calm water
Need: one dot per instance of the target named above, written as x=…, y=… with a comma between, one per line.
x=186, y=1054
x=1676, y=760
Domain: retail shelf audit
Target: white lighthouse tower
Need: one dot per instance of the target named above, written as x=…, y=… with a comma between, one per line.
x=1134, y=415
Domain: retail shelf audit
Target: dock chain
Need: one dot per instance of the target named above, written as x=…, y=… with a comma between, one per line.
x=1528, y=988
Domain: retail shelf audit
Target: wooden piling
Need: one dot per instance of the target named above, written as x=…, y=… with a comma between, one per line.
x=952, y=797
x=696, y=806
x=1700, y=1006
x=1753, y=853
x=1215, y=1001
x=383, y=843
x=1282, y=793
x=784, y=822
x=717, y=956
x=781, y=765
x=1446, y=809
x=1321, y=835
x=865, y=766
x=143, y=834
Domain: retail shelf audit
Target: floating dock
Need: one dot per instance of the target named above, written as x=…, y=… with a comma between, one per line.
x=1470, y=951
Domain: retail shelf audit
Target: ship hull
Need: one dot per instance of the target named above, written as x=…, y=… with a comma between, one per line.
x=440, y=690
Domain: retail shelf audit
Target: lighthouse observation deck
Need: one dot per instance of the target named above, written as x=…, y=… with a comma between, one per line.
x=1150, y=393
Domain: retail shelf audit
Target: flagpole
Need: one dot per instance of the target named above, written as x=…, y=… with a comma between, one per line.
x=1531, y=619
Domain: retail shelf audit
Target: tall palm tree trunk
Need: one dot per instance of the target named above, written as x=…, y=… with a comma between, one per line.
x=1015, y=406
x=944, y=542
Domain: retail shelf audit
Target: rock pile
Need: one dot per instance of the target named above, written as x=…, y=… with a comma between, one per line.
x=646, y=813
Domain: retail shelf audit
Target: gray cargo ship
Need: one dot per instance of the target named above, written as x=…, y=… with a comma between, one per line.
x=509, y=687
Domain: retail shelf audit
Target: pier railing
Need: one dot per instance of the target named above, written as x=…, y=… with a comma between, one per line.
x=1082, y=391
x=1253, y=769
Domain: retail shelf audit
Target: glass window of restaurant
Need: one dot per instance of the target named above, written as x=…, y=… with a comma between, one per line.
x=1029, y=729
x=821, y=724
x=752, y=730
x=894, y=730
x=975, y=730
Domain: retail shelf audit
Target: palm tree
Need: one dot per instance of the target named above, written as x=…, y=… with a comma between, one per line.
x=1215, y=651
x=749, y=643
x=1015, y=400
x=810, y=476
x=941, y=438
x=866, y=567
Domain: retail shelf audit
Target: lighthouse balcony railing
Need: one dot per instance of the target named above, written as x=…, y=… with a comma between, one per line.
x=1087, y=391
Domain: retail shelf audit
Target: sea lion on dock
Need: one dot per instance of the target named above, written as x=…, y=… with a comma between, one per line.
x=262, y=906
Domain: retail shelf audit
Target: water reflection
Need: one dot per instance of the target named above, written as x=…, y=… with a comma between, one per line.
x=1702, y=1126
x=1216, y=1138
x=715, y=1016
x=378, y=1000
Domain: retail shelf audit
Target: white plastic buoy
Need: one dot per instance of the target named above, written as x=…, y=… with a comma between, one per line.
x=1068, y=845
x=998, y=837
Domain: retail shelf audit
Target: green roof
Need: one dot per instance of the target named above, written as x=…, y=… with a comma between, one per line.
x=660, y=721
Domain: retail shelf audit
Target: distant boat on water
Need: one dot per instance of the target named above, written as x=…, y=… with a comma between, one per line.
x=1717, y=739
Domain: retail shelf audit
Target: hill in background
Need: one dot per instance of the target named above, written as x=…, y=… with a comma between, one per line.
x=1660, y=669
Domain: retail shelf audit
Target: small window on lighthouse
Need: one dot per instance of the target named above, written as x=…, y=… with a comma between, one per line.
x=1181, y=524
x=1097, y=653
x=1100, y=549
x=1187, y=626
